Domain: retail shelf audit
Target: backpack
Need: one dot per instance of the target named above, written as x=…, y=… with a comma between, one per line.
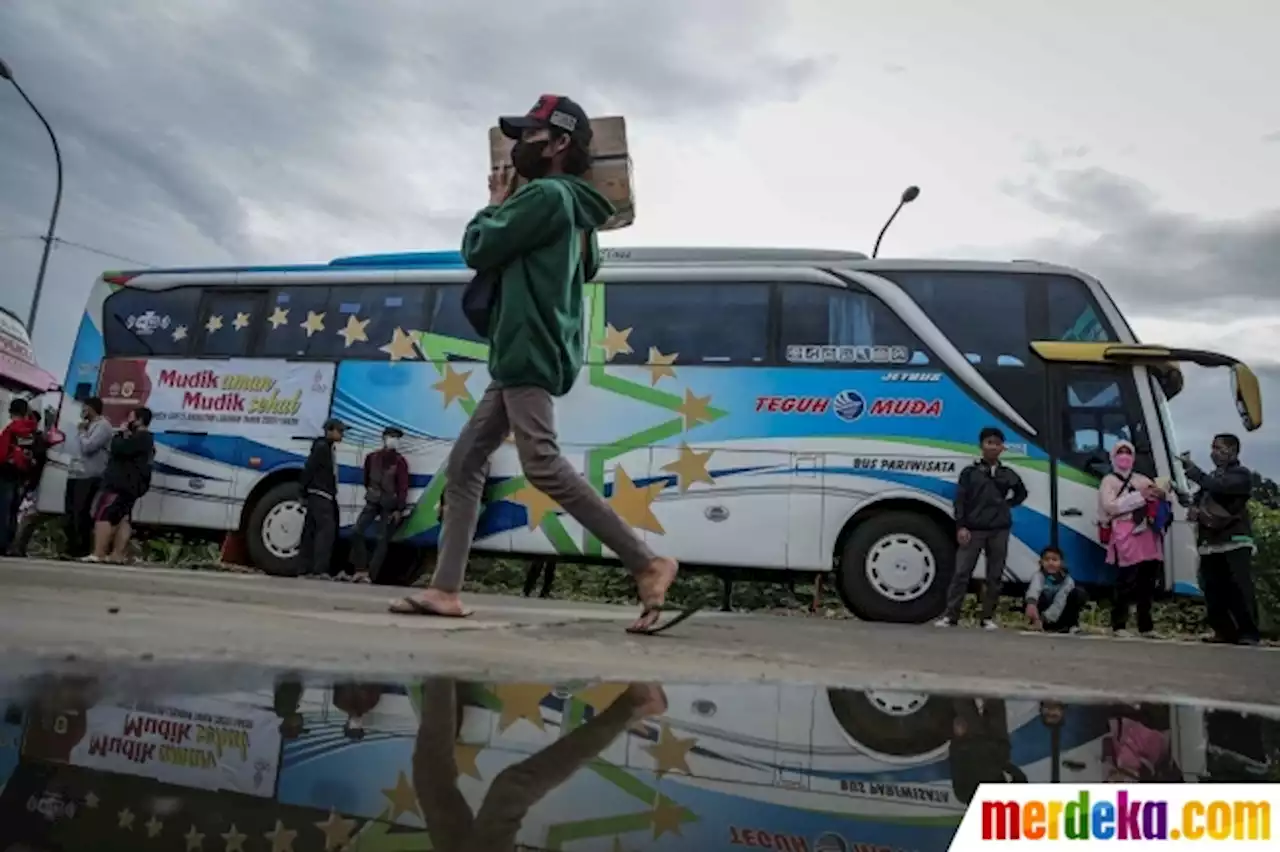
x=26, y=453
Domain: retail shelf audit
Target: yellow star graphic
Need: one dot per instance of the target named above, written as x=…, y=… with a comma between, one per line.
x=537, y=504
x=615, y=342
x=666, y=817
x=179, y=333
x=279, y=317
x=660, y=365
x=694, y=409
x=195, y=840
x=453, y=385
x=234, y=840
x=354, y=332
x=125, y=818
x=691, y=467
x=154, y=827
x=403, y=798
x=281, y=838
x=632, y=502
x=337, y=831
x=91, y=800
x=521, y=701
x=240, y=322
x=600, y=695
x=313, y=323
x=214, y=323
x=400, y=346
x=465, y=757
x=671, y=752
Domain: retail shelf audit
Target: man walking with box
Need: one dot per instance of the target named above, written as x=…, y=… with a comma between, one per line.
x=540, y=242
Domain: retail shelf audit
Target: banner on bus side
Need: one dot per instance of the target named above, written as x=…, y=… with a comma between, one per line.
x=248, y=398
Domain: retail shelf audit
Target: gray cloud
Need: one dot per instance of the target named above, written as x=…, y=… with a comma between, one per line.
x=1273, y=136
x=1156, y=261
x=241, y=131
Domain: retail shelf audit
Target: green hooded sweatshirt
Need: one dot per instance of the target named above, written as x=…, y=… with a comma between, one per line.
x=535, y=239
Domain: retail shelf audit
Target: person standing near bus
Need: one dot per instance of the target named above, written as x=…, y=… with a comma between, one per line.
x=540, y=240
x=89, y=455
x=126, y=479
x=18, y=459
x=1135, y=546
x=319, y=483
x=1224, y=537
x=986, y=495
x=386, y=494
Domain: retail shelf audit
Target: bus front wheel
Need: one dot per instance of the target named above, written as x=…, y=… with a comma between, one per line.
x=895, y=566
x=275, y=531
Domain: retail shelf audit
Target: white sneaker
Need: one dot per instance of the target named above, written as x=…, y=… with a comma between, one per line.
x=90, y=558
x=1148, y=634
x=1121, y=634
x=944, y=622
x=988, y=624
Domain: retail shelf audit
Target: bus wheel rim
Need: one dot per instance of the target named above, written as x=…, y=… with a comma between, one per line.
x=901, y=567
x=282, y=529
x=893, y=703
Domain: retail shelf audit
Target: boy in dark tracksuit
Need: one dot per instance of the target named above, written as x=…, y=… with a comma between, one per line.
x=319, y=483
x=985, y=497
x=386, y=484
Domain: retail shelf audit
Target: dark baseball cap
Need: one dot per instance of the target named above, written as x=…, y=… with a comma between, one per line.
x=333, y=424
x=554, y=111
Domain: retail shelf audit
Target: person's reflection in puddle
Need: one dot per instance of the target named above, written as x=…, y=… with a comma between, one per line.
x=493, y=827
x=980, y=751
x=357, y=700
x=1138, y=746
x=287, y=705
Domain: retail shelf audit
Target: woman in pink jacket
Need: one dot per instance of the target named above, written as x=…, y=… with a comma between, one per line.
x=1135, y=547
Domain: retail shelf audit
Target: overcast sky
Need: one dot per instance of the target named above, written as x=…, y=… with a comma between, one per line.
x=1138, y=141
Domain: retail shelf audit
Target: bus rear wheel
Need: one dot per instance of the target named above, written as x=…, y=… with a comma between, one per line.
x=895, y=566
x=275, y=531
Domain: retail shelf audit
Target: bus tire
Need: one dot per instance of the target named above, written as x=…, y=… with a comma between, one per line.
x=898, y=724
x=271, y=522
x=895, y=566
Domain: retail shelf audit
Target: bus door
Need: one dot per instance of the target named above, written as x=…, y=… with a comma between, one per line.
x=1096, y=398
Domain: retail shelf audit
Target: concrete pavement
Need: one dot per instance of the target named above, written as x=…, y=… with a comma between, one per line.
x=205, y=628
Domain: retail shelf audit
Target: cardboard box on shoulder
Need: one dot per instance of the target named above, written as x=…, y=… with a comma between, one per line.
x=610, y=171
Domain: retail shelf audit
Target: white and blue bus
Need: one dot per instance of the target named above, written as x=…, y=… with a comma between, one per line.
x=753, y=409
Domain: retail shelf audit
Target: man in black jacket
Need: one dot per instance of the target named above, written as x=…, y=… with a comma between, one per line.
x=127, y=477
x=319, y=483
x=1224, y=539
x=985, y=497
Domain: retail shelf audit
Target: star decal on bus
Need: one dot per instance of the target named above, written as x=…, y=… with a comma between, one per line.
x=313, y=323
x=354, y=332
x=691, y=467
x=279, y=317
x=179, y=334
x=241, y=322
x=453, y=386
x=615, y=342
x=400, y=346
x=634, y=503
x=214, y=323
x=536, y=503
x=660, y=365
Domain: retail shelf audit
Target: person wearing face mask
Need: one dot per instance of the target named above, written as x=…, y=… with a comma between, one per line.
x=1224, y=537
x=386, y=493
x=1127, y=502
x=89, y=453
x=319, y=486
x=127, y=478
x=540, y=241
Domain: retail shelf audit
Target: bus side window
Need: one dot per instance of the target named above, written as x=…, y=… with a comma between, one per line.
x=710, y=323
x=229, y=323
x=155, y=323
x=816, y=315
x=1102, y=409
x=445, y=316
x=295, y=322
x=1072, y=313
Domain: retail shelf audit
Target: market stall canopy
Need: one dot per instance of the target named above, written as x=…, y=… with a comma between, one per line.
x=18, y=366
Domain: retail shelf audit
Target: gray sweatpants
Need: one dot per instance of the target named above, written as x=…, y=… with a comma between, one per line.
x=529, y=413
x=996, y=545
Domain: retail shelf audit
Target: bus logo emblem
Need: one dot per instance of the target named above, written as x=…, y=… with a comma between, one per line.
x=849, y=405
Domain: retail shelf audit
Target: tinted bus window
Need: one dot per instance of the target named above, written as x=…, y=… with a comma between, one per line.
x=814, y=316
x=295, y=322
x=150, y=322
x=1073, y=314
x=361, y=321
x=229, y=324
x=983, y=314
x=706, y=323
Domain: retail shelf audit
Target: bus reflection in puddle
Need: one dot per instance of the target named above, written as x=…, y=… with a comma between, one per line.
x=460, y=765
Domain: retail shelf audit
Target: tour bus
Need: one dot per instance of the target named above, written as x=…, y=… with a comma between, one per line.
x=755, y=409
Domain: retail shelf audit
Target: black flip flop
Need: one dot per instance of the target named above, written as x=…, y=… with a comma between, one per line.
x=683, y=613
x=424, y=609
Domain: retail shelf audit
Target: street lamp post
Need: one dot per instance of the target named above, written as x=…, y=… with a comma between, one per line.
x=6, y=73
x=909, y=195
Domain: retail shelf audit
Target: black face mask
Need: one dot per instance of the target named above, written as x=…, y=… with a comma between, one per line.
x=528, y=161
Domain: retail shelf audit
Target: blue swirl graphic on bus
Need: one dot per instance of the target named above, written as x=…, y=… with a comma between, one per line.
x=849, y=405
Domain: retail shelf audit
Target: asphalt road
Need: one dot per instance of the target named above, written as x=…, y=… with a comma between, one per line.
x=204, y=630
